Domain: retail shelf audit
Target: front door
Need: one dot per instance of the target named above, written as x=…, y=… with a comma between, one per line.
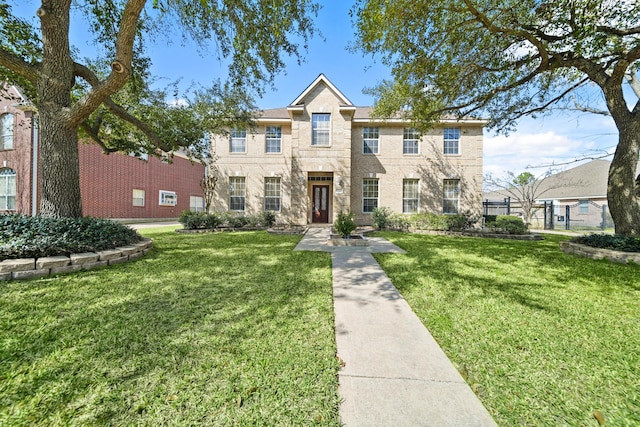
x=320, y=213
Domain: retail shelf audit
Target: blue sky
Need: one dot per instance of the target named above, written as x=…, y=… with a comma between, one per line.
x=555, y=139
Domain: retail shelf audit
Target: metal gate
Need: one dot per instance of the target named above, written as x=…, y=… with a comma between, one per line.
x=584, y=215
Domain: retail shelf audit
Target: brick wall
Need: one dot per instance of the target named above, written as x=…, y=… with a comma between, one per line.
x=107, y=183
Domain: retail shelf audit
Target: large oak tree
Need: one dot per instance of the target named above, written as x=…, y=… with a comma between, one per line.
x=108, y=97
x=505, y=59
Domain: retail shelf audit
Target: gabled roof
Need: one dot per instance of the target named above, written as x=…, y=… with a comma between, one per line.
x=587, y=181
x=321, y=79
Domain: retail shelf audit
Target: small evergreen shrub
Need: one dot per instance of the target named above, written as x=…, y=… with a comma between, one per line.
x=398, y=221
x=345, y=223
x=616, y=242
x=24, y=236
x=267, y=218
x=380, y=217
x=441, y=222
x=235, y=220
x=507, y=224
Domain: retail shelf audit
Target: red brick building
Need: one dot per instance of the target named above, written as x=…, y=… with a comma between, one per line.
x=112, y=186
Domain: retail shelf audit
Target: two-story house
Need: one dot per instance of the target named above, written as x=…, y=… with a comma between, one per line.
x=321, y=155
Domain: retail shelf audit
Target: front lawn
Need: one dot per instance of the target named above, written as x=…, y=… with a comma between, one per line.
x=211, y=329
x=544, y=338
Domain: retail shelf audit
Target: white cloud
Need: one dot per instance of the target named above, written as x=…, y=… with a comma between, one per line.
x=529, y=151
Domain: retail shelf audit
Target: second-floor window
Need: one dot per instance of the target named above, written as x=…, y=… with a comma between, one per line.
x=273, y=139
x=451, y=140
x=238, y=141
x=410, y=141
x=370, y=143
x=320, y=129
x=6, y=132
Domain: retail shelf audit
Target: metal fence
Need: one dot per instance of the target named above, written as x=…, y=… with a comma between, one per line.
x=586, y=215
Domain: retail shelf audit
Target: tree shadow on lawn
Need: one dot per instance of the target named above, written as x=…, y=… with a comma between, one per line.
x=190, y=320
x=519, y=270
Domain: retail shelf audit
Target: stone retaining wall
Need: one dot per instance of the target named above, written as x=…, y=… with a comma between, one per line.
x=27, y=268
x=599, y=253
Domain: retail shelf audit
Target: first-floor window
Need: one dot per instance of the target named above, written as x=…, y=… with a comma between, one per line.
x=410, y=193
x=7, y=189
x=369, y=194
x=237, y=193
x=451, y=196
x=138, y=197
x=584, y=206
x=196, y=204
x=272, y=194
x=168, y=198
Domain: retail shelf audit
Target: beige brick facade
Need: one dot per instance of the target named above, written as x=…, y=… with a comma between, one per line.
x=320, y=177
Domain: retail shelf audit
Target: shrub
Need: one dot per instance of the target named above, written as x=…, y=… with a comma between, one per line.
x=267, y=218
x=345, y=223
x=507, y=224
x=442, y=222
x=398, y=221
x=24, y=236
x=610, y=241
x=380, y=217
x=212, y=220
x=235, y=220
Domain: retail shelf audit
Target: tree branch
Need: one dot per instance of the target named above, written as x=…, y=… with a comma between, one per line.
x=618, y=31
x=94, y=135
x=120, y=67
x=91, y=78
x=19, y=66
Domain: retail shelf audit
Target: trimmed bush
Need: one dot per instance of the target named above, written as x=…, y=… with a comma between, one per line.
x=616, y=242
x=442, y=222
x=267, y=218
x=507, y=224
x=398, y=221
x=380, y=217
x=24, y=236
x=345, y=223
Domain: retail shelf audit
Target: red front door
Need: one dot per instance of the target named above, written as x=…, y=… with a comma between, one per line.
x=320, y=202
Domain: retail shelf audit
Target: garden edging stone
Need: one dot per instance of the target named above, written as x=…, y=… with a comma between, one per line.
x=599, y=253
x=27, y=268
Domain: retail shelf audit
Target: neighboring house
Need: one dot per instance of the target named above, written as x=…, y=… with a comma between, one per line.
x=321, y=155
x=112, y=186
x=582, y=190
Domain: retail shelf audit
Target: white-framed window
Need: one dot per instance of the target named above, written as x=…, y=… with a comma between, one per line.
x=237, y=193
x=451, y=196
x=584, y=206
x=6, y=132
x=138, y=197
x=7, y=189
x=451, y=140
x=167, y=198
x=410, y=141
x=320, y=129
x=410, y=195
x=196, y=203
x=272, y=194
x=369, y=194
x=273, y=142
x=238, y=142
x=370, y=140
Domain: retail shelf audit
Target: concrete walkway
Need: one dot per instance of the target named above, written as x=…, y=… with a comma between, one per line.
x=394, y=373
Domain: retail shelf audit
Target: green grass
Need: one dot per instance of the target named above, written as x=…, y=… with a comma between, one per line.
x=226, y=329
x=543, y=338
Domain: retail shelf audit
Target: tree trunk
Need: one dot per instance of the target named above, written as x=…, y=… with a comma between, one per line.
x=60, y=189
x=622, y=194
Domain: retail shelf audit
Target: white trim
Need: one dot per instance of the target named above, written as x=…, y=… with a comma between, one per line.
x=321, y=78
